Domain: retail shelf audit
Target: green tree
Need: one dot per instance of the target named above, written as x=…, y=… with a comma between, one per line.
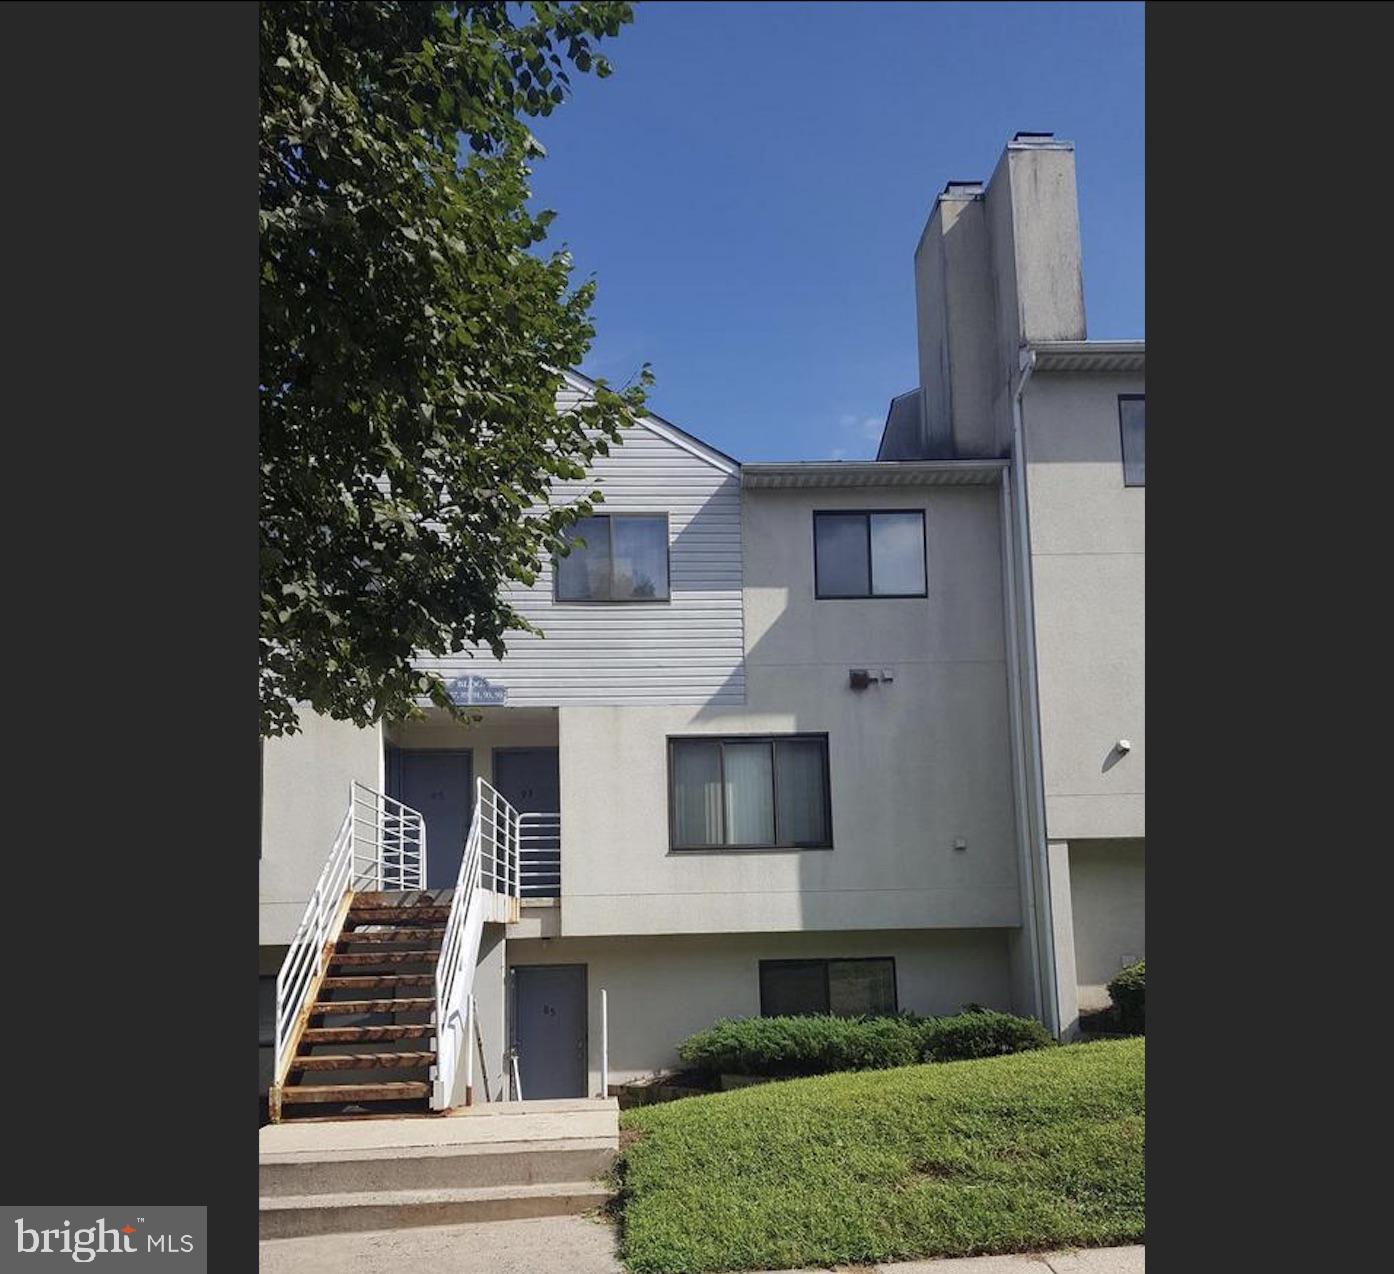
x=411, y=344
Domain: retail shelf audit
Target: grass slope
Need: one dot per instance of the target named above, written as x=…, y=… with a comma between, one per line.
x=1006, y=1154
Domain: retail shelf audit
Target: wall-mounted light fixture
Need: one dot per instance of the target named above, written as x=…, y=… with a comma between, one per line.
x=861, y=678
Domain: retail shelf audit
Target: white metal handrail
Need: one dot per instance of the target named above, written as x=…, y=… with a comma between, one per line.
x=539, y=855
x=490, y=862
x=381, y=844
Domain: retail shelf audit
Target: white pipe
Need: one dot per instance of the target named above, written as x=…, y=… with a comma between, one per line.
x=1023, y=817
x=469, y=1052
x=604, y=1044
x=517, y=1082
x=1033, y=707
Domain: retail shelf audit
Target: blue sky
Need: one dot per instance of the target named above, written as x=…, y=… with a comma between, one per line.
x=749, y=185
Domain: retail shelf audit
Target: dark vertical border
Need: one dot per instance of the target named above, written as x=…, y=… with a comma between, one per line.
x=131, y=448
x=1267, y=283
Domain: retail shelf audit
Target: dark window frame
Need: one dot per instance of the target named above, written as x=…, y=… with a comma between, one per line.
x=1122, y=438
x=610, y=517
x=827, y=963
x=871, y=595
x=772, y=740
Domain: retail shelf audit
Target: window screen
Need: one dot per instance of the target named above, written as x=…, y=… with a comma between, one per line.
x=615, y=558
x=873, y=554
x=1132, y=422
x=768, y=792
x=849, y=988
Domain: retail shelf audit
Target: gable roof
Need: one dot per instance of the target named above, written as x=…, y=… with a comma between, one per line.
x=666, y=430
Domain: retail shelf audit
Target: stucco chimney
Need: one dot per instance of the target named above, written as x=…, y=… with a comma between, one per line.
x=997, y=266
x=954, y=313
x=1033, y=209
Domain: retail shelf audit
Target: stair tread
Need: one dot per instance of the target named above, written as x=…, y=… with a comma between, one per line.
x=400, y=934
x=387, y=1091
x=355, y=1034
x=367, y=898
x=440, y=1194
x=395, y=915
x=369, y=980
x=323, y=1007
x=362, y=1061
x=384, y=957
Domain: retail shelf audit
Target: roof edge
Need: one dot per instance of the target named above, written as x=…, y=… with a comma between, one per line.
x=666, y=429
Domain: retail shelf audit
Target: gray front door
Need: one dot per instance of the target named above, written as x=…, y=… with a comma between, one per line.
x=440, y=784
x=530, y=780
x=549, y=1029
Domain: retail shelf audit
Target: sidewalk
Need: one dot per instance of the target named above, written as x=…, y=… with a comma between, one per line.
x=580, y=1245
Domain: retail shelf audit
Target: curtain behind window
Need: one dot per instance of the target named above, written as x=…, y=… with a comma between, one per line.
x=749, y=794
x=697, y=793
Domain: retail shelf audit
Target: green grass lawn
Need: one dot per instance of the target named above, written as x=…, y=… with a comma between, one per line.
x=1007, y=1154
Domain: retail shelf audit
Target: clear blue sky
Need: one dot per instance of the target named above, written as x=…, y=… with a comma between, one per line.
x=749, y=185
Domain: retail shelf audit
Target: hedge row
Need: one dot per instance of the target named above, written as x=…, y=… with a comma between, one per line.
x=819, y=1044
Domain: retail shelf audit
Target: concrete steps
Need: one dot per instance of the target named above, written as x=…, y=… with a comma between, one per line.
x=494, y=1162
x=294, y=1216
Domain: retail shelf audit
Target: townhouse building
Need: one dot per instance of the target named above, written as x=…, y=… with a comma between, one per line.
x=859, y=737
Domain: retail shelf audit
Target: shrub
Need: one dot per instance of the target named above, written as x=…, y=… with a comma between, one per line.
x=812, y=1045
x=1128, y=991
x=784, y=1047
x=981, y=1033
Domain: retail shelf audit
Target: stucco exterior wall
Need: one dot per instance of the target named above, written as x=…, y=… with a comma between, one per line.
x=1088, y=564
x=305, y=791
x=1108, y=903
x=914, y=765
x=663, y=989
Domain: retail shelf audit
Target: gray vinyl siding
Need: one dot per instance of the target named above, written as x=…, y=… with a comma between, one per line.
x=689, y=650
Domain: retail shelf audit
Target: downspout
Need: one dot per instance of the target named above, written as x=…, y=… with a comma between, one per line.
x=1025, y=840
x=1034, y=752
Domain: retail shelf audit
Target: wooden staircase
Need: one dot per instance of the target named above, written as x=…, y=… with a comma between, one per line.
x=367, y=1043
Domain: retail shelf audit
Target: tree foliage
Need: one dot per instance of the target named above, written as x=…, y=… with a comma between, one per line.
x=411, y=343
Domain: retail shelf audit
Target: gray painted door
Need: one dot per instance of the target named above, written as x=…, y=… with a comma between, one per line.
x=549, y=1029
x=530, y=780
x=440, y=784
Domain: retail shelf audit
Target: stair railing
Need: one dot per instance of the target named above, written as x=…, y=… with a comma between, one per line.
x=490, y=861
x=380, y=845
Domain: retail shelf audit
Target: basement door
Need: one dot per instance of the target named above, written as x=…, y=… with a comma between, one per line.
x=549, y=1029
x=439, y=782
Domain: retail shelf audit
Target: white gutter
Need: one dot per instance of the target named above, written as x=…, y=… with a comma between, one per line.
x=1033, y=751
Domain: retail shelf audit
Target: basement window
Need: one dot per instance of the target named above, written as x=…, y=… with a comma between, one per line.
x=870, y=554
x=616, y=557
x=849, y=988
x=1132, y=409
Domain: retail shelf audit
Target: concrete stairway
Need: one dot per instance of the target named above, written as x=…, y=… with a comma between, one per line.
x=487, y=1163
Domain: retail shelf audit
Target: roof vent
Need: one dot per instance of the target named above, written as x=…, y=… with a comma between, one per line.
x=1032, y=137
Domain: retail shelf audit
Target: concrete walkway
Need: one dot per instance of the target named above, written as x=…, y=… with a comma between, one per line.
x=582, y=1245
